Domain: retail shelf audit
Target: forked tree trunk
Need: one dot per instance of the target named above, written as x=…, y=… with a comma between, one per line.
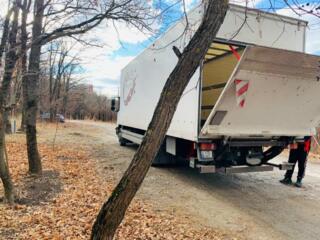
x=113, y=211
x=10, y=62
x=32, y=80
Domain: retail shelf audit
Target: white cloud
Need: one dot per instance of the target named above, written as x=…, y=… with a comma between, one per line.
x=99, y=64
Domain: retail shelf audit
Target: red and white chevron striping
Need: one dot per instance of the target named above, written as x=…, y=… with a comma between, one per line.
x=242, y=87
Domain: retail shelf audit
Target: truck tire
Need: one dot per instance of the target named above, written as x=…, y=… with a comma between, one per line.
x=163, y=158
x=123, y=142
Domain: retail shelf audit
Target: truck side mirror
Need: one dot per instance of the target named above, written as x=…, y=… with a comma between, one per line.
x=115, y=104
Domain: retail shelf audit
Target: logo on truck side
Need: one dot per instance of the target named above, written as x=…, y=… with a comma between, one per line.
x=129, y=85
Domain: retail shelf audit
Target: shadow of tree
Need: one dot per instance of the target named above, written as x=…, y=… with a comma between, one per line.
x=37, y=190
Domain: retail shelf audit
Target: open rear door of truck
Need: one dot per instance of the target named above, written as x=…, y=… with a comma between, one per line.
x=271, y=92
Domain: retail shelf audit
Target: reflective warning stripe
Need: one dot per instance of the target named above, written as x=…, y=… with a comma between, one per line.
x=242, y=87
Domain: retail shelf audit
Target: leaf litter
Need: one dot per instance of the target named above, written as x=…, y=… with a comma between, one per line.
x=64, y=201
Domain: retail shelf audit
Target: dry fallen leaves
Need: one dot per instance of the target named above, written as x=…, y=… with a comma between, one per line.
x=63, y=203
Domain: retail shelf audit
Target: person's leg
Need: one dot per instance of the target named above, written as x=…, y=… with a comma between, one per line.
x=302, y=162
x=289, y=173
x=293, y=157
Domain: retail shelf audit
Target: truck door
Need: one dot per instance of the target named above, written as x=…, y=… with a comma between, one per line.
x=271, y=92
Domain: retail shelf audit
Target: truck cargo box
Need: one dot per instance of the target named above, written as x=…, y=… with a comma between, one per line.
x=143, y=78
x=254, y=89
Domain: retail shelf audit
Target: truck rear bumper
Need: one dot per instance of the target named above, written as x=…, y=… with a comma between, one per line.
x=238, y=169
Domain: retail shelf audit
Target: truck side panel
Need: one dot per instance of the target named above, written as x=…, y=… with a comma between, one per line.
x=142, y=82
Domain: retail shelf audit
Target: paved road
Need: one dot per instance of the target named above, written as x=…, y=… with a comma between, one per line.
x=253, y=205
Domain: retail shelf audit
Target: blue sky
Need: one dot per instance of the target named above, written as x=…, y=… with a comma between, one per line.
x=170, y=17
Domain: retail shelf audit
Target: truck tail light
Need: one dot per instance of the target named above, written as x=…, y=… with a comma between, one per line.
x=293, y=146
x=207, y=146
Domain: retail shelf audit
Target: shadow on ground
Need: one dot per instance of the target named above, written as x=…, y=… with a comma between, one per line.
x=37, y=190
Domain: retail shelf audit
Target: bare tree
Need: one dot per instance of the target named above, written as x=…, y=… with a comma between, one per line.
x=23, y=54
x=31, y=93
x=10, y=61
x=113, y=211
x=57, y=78
x=76, y=17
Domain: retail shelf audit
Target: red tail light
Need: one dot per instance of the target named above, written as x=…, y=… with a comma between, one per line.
x=293, y=146
x=207, y=146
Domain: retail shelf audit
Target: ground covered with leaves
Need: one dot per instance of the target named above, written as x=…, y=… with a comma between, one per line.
x=64, y=201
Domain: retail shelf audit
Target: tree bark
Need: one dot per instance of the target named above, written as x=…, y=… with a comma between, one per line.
x=10, y=62
x=5, y=33
x=66, y=93
x=113, y=211
x=23, y=53
x=23, y=120
x=32, y=95
x=4, y=168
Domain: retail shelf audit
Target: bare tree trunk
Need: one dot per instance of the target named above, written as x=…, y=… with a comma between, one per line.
x=66, y=94
x=4, y=168
x=10, y=62
x=32, y=79
x=52, y=63
x=113, y=211
x=23, y=120
x=23, y=54
x=5, y=33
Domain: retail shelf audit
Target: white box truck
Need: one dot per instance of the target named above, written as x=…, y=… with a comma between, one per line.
x=255, y=93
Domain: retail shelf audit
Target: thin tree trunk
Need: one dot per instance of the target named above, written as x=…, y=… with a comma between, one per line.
x=5, y=33
x=23, y=54
x=10, y=62
x=4, y=168
x=66, y=95
x=113, y=211
x=23, y=120
x=52, y=63
x=35, y=166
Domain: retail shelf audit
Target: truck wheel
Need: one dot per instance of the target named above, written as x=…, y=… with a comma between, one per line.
x=123, y=142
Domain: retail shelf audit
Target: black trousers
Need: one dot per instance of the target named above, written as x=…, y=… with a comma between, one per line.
x=298, y=155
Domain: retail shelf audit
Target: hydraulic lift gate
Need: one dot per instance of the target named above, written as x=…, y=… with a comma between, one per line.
x=278, y=96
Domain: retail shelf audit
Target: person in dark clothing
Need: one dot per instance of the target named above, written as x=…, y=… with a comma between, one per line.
x=300, y=155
